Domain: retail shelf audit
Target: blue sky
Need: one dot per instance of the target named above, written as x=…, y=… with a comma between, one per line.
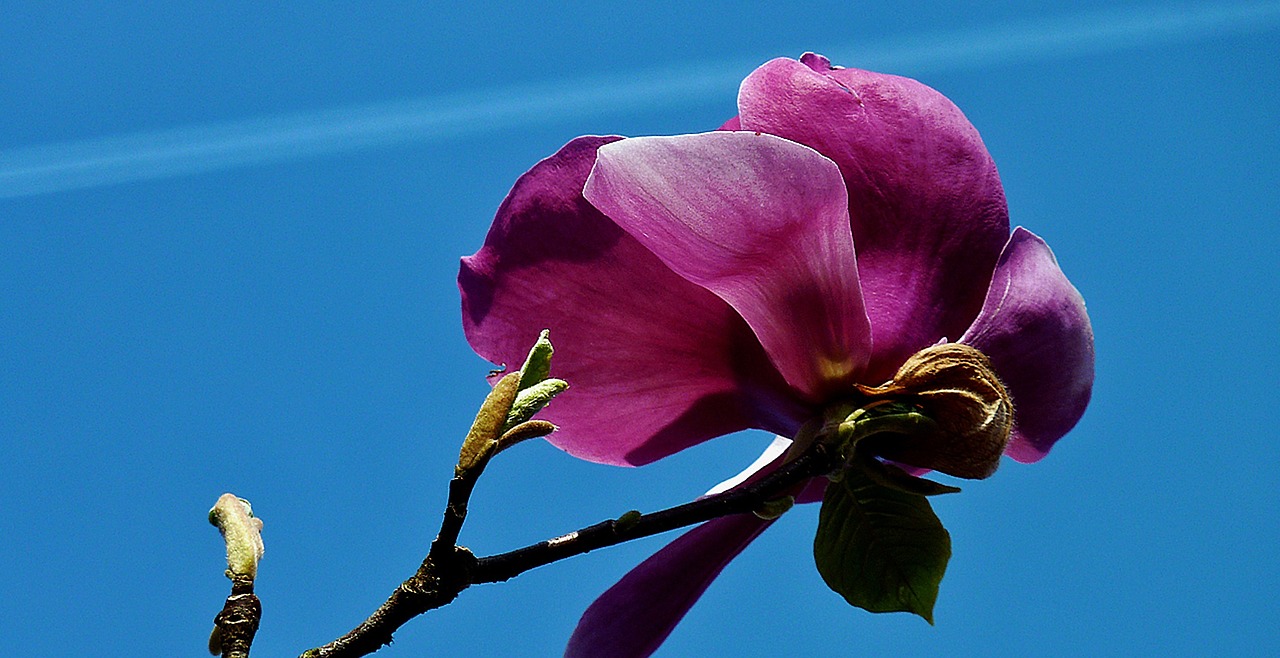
x=230, y=238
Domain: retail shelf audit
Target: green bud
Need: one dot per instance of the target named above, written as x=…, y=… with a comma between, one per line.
x=215, y=641
x=890, y=418
x=531, y=400
x=772, y=509
x=627, y=521
x=537, y=366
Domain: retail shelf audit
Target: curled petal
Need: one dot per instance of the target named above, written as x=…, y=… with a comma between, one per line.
x=760, y=221
x=655, y=363
x=1036, y=332
x=927, y=208
x=633, y=617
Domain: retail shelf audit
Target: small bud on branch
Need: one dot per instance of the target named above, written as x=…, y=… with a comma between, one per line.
x=237, y=623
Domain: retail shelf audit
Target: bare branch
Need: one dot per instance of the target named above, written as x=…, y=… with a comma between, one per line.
x=449, y=568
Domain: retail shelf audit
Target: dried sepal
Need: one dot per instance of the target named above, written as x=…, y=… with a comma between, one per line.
x=955, y=386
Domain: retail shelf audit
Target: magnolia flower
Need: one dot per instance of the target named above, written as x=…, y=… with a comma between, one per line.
x=698, y=285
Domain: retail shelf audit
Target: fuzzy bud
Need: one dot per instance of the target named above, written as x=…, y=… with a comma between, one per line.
x=955, y=386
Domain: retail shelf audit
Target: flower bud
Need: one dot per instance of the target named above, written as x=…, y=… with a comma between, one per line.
x=242, y=532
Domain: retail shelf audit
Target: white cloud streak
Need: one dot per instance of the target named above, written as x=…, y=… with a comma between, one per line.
x=196, y=149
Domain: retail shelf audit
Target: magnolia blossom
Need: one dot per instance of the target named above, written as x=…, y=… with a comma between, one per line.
x=698, y=285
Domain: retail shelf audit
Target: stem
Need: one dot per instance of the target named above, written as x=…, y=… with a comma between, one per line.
x=442, y=576
x=237, y=623
x=449, y=568
x=455, y=511
x=505, y=566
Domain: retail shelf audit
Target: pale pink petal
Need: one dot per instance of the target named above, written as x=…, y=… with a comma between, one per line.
x=771, y=452
x=633, y=617
x=760, y=221
x=928, y=211
x=1035, y=329
x=655, y=363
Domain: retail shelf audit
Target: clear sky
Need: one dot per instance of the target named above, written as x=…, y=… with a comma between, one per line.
x=229, y=239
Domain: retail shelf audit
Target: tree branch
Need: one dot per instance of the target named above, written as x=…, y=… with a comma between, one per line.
x=748, y=499
x=444, y=573
x=449, y=569
x=237, y=623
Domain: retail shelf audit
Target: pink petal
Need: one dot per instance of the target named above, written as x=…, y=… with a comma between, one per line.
x=1035, y=329
x=633, y=617
x=655, y=363
x=928, y=212
x=762, y=223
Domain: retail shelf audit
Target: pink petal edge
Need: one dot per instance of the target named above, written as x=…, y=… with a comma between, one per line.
x=1035, y=329
x=927, y=209
x=655, y=363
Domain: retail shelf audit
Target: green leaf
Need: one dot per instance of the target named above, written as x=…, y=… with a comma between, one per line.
x=882, y=549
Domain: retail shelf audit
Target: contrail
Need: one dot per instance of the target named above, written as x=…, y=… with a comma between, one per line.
x=195, y=149
x=1069, y=36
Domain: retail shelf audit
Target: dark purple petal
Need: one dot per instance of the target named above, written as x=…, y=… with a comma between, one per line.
x=1036, y=332
x=928, y=212
x=633, y=617
x=760, y=221
x=655, y=363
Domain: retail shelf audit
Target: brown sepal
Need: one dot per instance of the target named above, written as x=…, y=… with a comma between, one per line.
x=955, y=386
